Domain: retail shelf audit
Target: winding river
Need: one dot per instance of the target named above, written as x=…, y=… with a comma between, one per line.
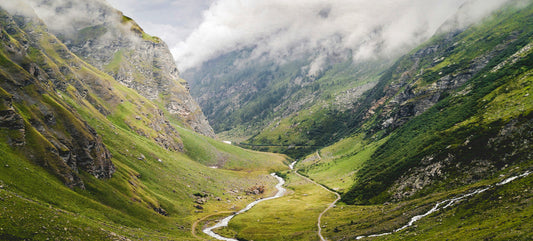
x=224, y=222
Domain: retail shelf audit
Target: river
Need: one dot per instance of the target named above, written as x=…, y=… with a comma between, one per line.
x=447, y=203
x=224, y=222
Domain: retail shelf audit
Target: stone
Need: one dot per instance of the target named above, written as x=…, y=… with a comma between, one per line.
x=198, y=207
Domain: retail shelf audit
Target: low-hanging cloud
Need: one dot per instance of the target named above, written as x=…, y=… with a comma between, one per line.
x=280, y=29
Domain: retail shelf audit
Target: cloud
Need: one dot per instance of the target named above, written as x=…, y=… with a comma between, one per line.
x=18, y=7
x=274, y=29
x=281, y=29
x=171, y=20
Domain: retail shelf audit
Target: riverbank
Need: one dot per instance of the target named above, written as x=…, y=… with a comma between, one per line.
x=224, y=222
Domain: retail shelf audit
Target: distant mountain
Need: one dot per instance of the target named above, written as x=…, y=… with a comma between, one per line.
x=269, y=106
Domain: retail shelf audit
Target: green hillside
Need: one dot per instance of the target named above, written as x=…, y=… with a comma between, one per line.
x=453, y=115
x=86, y=158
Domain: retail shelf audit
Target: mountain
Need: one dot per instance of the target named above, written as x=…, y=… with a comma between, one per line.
x=266, y=105
x=99, y=137
x=441, y=139
x=118, y=46
x=452, y=115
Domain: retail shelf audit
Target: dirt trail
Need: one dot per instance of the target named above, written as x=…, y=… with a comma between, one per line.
x=325, y=188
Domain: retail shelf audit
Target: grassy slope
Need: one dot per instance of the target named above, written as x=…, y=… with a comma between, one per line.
x=475, y=218
x=460, y=116
x=492, y=100
x=291, y=217
x=37, y=205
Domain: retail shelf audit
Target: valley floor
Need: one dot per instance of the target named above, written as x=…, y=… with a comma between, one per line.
x=475, y=216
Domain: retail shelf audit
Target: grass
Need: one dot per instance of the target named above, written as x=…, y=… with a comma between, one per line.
x=338, y=164
x=479, y=217
x=291, y=217
x=37, y=204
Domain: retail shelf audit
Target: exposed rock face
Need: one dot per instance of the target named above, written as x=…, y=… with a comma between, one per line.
x=118, y=46
x=409, y=96
x=507, y=144
x=46, y=129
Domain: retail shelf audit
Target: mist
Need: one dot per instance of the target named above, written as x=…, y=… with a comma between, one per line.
x=274, y=29
x=279, y=29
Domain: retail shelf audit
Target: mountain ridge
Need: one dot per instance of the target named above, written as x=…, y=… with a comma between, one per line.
x=86, y=157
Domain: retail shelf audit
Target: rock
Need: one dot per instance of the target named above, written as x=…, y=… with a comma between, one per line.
x=11, y=120
x=255, y=190
x=198, y=207
x=200, y=200
x=146, y=65
x=161, y=211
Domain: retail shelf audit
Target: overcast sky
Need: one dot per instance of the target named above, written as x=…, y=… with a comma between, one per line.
x=171, y=20
x=197, y=30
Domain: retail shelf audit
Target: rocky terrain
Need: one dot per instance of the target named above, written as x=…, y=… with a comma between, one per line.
x=35, y=117
x=115, y=44
x=99, y=137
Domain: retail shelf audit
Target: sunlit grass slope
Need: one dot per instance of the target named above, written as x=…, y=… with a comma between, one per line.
x=161, y=167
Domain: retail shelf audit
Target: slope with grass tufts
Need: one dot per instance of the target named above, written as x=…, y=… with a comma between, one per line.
x=85, y=157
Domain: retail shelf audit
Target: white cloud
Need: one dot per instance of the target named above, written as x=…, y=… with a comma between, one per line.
x=278, y=28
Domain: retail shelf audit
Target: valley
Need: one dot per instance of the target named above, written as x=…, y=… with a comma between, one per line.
x=103, y=138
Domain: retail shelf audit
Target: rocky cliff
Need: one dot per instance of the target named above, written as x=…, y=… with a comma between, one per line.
x=115, y=44
x=34, y=117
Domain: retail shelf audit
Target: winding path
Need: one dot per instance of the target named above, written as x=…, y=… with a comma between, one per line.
x=325, y=188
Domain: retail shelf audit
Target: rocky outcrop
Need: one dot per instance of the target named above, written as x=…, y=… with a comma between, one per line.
x=33, y=115
x=411, y=95
x=116, y=45
x=507, y=144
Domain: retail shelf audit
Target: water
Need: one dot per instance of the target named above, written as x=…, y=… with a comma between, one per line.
x=224, y=222
x=291, y=166
x=445, y=204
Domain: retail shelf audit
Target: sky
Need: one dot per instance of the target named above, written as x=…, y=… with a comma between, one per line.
x=198, y=30
x=171, y=20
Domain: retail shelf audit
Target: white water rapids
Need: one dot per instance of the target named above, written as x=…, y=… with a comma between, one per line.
x=224, y=222
x=447, y=203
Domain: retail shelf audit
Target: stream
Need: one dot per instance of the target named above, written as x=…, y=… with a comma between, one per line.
x=447, y=203
x=224, y=222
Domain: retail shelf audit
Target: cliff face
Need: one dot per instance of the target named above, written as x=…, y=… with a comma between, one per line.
x=116, y=45
x=34, y=118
